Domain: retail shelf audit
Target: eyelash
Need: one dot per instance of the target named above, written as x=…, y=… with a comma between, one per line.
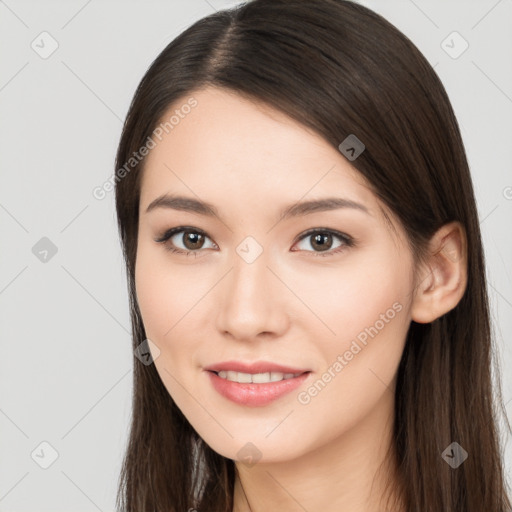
x=347, y=240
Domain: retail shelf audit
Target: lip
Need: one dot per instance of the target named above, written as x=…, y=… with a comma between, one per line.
x=254, y=394
x=256, y=367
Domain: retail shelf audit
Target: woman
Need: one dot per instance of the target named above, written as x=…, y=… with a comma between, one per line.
x=268, y=377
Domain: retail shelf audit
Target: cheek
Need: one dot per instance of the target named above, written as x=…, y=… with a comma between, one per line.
x=159, y=293
x=169, y=299
x=162, y=306
x=151, y=299
x=369, y=313
x=352, y=295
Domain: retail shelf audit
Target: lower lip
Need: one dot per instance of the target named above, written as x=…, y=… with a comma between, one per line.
x=255, y=395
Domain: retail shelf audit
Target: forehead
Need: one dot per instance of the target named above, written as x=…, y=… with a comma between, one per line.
x=226, y=139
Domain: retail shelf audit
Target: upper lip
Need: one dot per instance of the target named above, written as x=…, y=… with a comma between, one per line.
x=255, y=367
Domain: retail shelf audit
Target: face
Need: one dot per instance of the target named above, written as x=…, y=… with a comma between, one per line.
x=322, y=293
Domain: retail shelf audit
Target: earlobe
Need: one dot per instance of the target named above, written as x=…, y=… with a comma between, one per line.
x=443, y=283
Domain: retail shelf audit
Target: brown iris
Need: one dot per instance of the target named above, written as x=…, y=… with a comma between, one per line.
x=196, y=240
x=322, y=241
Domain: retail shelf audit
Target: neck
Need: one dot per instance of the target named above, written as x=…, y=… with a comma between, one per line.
x=351, y=473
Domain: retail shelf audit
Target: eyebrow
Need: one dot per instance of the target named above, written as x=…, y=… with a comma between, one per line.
x=192, y=205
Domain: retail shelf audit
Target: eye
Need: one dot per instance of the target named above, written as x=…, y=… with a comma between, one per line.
x=192, y=239
x=321, y=240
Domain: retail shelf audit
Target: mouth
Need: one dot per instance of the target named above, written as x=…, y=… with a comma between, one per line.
x=256, y=378
x=264, y=384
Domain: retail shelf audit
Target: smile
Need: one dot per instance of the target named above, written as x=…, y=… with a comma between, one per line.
x=257, y=378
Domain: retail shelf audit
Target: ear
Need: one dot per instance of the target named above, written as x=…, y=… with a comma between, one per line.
x=442, y=282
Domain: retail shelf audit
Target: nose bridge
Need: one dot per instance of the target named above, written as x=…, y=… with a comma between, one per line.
x=249, y=304
x=249, y=278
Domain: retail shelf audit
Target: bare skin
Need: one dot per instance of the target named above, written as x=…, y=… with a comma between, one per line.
x=295, y=304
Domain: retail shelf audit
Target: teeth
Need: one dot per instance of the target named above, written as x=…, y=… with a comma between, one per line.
x=258, y=378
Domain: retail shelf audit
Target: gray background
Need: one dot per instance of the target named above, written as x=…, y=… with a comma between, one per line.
x=65, y=370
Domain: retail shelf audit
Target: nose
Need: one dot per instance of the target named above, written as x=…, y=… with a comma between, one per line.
x=251, y=301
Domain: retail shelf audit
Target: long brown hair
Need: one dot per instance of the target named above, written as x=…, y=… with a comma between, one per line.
x=339, y=69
